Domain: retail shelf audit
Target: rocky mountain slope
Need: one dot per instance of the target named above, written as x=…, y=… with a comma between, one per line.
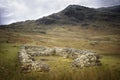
x=74, y=15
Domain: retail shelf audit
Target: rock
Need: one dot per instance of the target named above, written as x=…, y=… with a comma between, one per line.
x=25, y=67
x=89, y=59
x=28, y=63
x=39, y=66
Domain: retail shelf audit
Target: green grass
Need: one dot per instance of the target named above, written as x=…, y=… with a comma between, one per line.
x=56, y=63
x=105, y=44
x=8, y=61
x=61, y=70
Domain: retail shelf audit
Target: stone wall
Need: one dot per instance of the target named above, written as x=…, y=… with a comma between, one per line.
x=81, y=58
x=28, y=62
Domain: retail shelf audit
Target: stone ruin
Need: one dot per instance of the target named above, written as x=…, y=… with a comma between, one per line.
x=28, y=63
x=81, y=58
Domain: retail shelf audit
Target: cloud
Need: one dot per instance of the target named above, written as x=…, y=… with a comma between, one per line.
x=20, y=10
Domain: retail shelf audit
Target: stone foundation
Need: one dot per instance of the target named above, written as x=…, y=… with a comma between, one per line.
x=81, y=58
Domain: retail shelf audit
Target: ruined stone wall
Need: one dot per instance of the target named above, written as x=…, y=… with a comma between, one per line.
x=81, y=58
x=28, y=62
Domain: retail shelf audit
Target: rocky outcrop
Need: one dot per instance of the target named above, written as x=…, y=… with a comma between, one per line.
x=81, y=58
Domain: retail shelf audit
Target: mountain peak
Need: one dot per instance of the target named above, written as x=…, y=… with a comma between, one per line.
x=75, y=7
x=77, y=14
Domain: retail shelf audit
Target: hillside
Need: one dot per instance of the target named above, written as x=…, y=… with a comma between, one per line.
x=74, y=28
x=75, y=14
x=101, y=18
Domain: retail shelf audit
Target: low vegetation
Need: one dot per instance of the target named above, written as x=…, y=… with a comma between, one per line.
x=104, y=43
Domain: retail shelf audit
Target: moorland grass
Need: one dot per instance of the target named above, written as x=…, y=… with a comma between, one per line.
x=10, y=70
x=10, y=43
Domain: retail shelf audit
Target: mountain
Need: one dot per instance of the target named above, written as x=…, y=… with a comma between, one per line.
x=114, y=9
x=75, y=15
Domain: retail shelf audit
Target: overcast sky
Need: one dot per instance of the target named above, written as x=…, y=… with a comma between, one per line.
x=20, y=10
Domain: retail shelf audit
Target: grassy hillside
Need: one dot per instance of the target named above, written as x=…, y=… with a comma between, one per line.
x=104, y=42
x=75, y=27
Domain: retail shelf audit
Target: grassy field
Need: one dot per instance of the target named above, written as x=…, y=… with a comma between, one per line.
x=104, y=43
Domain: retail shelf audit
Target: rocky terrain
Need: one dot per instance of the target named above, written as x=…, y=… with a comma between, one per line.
x=76, y=14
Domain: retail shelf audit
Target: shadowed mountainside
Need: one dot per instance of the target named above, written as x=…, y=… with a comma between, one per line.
x=75, y=14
